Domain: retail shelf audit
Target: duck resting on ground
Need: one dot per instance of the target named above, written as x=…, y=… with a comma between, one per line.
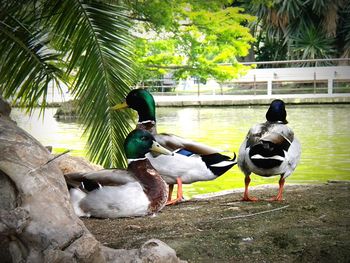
x=112, y=193
x=269, y=149
x=191, y=162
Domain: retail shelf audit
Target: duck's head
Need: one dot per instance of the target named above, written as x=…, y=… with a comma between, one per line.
x=277, y=112
x=140, y=100
x=139, y=142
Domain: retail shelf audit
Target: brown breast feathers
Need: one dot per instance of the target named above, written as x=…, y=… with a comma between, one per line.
x=153, y=184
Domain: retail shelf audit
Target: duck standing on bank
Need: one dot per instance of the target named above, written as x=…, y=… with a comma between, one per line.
x=269, y=149
x=191, y=162
x=112, y=193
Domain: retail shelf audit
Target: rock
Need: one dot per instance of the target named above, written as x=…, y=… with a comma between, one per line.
x=158, y=252
x=74, y=164
x=37, y=221
x=5, y=108
x=39, y=188
x=152, y=251
x=13, y=222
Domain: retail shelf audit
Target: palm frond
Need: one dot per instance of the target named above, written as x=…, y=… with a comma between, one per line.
x=291, y=8
x=27, y=64
x=310, y=44
x=96, y=36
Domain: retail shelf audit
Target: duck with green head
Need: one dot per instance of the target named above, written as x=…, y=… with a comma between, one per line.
x=270, y=148
x=191, y=162
x=112, y=193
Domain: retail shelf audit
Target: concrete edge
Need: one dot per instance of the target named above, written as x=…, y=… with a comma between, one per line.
x=203, y=101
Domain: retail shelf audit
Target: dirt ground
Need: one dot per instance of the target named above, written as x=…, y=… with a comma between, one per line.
x=310, y=225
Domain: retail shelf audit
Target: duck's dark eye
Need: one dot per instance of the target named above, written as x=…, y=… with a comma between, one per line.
x=144, y=138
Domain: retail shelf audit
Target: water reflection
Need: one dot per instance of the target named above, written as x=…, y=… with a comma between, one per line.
x=61, y=135
x=324, y=132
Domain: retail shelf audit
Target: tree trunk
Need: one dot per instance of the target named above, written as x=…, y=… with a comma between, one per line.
x=37, y=222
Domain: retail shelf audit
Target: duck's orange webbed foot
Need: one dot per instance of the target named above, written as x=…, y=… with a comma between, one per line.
x=278, y=197
x=246, y=196
x=179, y=196
x=174, y=201
x=275, y=198
x=249, y=199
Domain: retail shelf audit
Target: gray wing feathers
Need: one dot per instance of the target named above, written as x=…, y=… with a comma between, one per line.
x=241, y=162
x=105, y=177
x=294, y=154
x=174, y=142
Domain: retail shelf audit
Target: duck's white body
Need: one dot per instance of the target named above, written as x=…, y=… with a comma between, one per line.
x=270, y=132
x=111, y=201
x=189, y=169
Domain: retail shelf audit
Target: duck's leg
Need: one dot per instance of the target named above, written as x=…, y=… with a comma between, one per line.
x=246, y=196
x=278, y=197
x=171, y=188
x=179, y=196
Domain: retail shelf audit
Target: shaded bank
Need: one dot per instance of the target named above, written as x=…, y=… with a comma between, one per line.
x=311, y=225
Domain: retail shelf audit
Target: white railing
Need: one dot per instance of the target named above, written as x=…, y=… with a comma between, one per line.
x=317, y=79
x=305, y=79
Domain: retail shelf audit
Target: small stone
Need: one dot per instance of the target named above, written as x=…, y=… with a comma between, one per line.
x=133, y=227
x=247, y=239
x=234, y=208
x=157, y=251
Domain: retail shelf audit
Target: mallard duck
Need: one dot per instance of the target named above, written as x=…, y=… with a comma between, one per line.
x=112, y=193
x=191, y=162
x=269, y=149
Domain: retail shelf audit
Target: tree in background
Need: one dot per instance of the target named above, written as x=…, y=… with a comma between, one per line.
x=190, y=38
x=294, y=29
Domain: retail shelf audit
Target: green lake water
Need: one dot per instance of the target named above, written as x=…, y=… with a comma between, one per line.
x=323, y=130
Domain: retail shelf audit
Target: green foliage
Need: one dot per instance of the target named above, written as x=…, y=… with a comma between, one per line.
x=190, y=38
x=85, y=44
x=27, y=63
x=309, y=44
x=298, y=29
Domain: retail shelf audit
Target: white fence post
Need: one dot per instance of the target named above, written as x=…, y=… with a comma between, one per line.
x=269, y=87
x=330, y=86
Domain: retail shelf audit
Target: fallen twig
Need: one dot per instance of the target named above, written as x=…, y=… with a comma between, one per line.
x=254, y=214
x=49, y=161
x=57, y=156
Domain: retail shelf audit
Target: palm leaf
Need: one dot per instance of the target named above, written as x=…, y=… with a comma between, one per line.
x=310, y=44
x=96, y=37
x=27, y=65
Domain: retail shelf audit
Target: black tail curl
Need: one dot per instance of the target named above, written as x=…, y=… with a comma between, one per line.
x=266, y=149
x=212, y=159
